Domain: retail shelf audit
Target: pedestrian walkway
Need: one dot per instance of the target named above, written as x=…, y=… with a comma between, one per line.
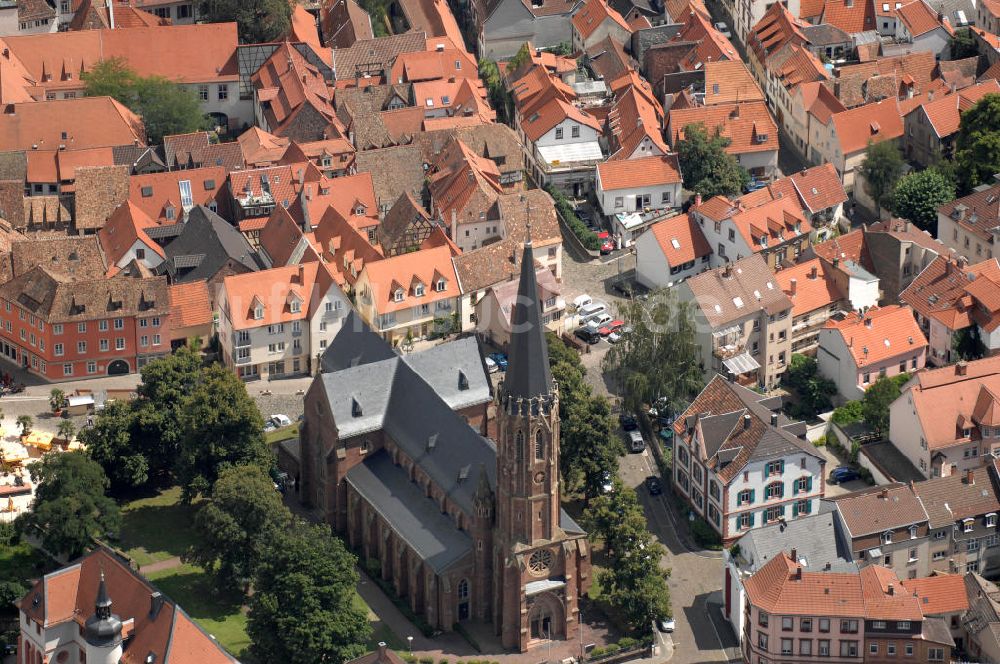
x=161, y=565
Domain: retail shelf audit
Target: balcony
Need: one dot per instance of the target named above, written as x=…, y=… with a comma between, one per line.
x=727, y=351
x=240, y=341
x=242, y=360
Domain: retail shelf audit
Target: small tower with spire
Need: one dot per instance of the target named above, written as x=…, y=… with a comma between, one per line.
x=103, y=630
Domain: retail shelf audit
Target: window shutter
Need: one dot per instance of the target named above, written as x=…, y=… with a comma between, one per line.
x=782, y=508
x=781, y=489
x=809, y=483
x=763, y=517
x=752, y=492
x=795, y=488
x=751, y=519
x=795, y=509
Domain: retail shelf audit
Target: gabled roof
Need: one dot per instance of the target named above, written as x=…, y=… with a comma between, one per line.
x=748, y=125
x=710, y=44
x=594, y=13
x=819, y=101
x=126, y=225
x=815, y=286
x=190, y=305
x=91, y=15
x=375, y=56
x=941, y=397
x=344, y=22
x=153, y=193
x=944, y=113
x=551, y=114
x=776, y=29
x=274, y=290
x=979, y=212
x=960, y=495
x=681, y=239
x=87, y=122
x=729, y=81
x=877, y=510
x=401, y=271
x=871, y=123
x=730, y=293
x=879, y=335
x=942, y=292
x=642, y=172
x=636, y=117
x=919, y=18
x=939, y=594
x=205, y=244
x=851, y=16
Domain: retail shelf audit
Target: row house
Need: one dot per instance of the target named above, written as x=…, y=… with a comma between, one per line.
x=58, y=328
x=83, y=124
x=810, y=107
x=796, y=614
x=931, y=127
x=982, y=619
x=775, y=230
x=671, y=251
x=816, y=294
x=196, y=150
x=745, y=322
x=988, y=16
x=818, y=190
x=843, y=140
x=635, y=120
x=57, y=61
x=278, y=322
x=752, y=134
x=943, y=596
x=886, y=526
x=409, y=296
x=170, y=196
x=855, y=350
x=741, y=464
x=944, y=421
x=970, y=225
x=951, y=298
x=962, y=512
x=594, y=21
x=638, y=185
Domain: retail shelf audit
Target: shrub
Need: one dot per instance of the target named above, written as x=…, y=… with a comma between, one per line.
x=597, y=652
x=849, y=413
x=443, y=661
x=628, y=643
x=426, y=660
x=820, y=442
x=409, y=658
x=586, y=236
x=705, y=535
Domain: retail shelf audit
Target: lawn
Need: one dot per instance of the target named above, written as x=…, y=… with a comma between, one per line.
x=157, y=528
x=222, y=617
x=284, y=433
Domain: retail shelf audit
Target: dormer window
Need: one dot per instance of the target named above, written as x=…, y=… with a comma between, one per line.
x=359, y=210
x=295, y=306
x=913, y=532
x=418, y=290
x=991, y=520
x=440, y=285
x=887, y=537
x=398, y=295
x=170, y=212
x=258, y=312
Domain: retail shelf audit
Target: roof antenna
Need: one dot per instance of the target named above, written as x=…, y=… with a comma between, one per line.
x=527, y=207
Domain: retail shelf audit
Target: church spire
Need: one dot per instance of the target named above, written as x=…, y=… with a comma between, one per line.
x=528, y=374
x=104, y=628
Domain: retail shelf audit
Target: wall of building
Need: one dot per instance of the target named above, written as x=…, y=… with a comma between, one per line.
x=625, y=200
x=652, y=268
x=967, y=244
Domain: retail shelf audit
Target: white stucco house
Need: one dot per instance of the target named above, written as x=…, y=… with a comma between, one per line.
x=670, y=251
x=637, y=185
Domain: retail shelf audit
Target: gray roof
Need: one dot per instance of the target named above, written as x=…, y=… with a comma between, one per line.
x=413, y=516
x=210, y=235
x=776, y=441
x=355, y=344
x=528, y=374
x=893, y=463
x=441, y=365
x=816, y=538
x=359, y=396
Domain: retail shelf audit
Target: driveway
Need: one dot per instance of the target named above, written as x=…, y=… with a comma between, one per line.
x=832, y=461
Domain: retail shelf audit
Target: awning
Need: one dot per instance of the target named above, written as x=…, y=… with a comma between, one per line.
x=741, y=364
x=875, y=553
x=536, y=587
x=732, y=329
x=39, y=439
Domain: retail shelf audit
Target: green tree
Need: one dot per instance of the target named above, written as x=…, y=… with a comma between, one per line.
x=963, y=45
x=520, y=58
x=244, y=514
x=70, y=506
x=165, y=107
x=815, y=391
x=57, y=399
x=112, y=443
x=259, y=21
x=707, y=168
x=849, y=413
x=659, y=359
x=221, y=427
x=967, y=344
x=302, y=609
x=881, y=168
x=875, y=404
x=977, y=146
x=919, y=194
x=66, y=430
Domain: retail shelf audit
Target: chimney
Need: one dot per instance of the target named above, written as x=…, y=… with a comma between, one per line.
x=302, y=274
x=961, y=368
x=746, y=422
x=794, y=285
x=774, y=419
x=963, y=262
x=883, y=494
x=793, y=554
x=890, y=589
x=727, y=271
x=697, y=199
x=382, y=648
x=814, y=272
x=970, y=477
x=868, y=323
x=155, y=604
x=798, y=572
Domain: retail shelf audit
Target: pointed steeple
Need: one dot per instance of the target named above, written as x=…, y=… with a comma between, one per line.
x=528, y=372
x=104, y=628
x=102, y=607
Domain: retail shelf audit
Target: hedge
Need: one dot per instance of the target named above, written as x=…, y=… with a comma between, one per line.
x=588, y=237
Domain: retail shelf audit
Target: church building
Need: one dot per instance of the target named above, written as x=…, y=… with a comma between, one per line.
x=449, y=487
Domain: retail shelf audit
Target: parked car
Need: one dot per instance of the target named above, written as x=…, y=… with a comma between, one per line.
x=628, y=421
x=653, y=486
x=666, y=625
x=607, y=244
x=842, y=474
x=586, y=333
x=724, y=30
x=491, y=365
x=613, y=326
x=580, y=301
x=500, y=359
x=754, y=185
x=600, y=320
x=276, y=422
x=592, y=309
x=635, y=442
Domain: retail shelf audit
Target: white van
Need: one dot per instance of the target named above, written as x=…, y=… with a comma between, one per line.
x=591, y=310
x=582, y=300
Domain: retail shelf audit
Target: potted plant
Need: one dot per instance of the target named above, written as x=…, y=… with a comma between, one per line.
x=66, y=432
x=25, y=422
x=58, y=401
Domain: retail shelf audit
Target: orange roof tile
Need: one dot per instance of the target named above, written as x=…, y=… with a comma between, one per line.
x=939, y=594
x=814, y=287
x=819, y=101
x=729, y=81
x=261, y=148
x=944, y=291
x=163, y=190
x=404, y=271
x=782, y=587
x=190, y=305
x=918, y=18
x=776, y=29
x=277, y=290
x=126, y=225
x=851, y=16
x=944, y=113
x=636, y=117
x=882, y=333
x=681, y=239
x=749, y=125
x=593, y=14
x=552, y=113
x=882, y=600
x=710, y=44
x=818, y=187
x=303, y=29
x=801, y=66
x=871, y=123
x=87, y=122
x=642, y=172
x=942, y=397
x=849, y=246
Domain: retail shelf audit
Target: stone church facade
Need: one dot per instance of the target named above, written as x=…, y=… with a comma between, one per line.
x=395, y=455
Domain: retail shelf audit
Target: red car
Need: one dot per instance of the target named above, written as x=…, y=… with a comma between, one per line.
x=613, y=326
x=607, y=244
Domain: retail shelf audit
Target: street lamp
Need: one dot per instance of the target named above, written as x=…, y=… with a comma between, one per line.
x=409, y=644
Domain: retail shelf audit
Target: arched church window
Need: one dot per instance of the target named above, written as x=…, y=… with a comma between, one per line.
x=519, y=438
x=463, y=589
x=539, y=445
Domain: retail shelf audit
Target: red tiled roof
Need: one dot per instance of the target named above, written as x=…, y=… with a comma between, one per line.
x=939, y=594
x=783, y=587
x=944, y=113
x=819, y=101
x=871, y=123
x=728, y=81
x=642, y=172
x=919, y=18
x=814, y=287
x=978, y=213
x=776, y=28
x=849, y=246
x=593, y=14
x=711, y=45
x=948, y=293
x=190, y=305
x=681, y=239
x=88, y=122
x=275, y=290
x=127, y=224
x=851, y=16
x=745, y=124
x=405, y=270
x=882, y=333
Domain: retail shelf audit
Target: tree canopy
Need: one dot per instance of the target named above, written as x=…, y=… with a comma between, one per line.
x=302, y=609
x=919, y=194
x=815, y=392
x=236, y=524
x=659, y=359
x=977, y=146
x=878, y=397
x=963, y=45
x=165, y=107
x=258, y=21
x=70, y=506
x=706, y=166
x=881, y=169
